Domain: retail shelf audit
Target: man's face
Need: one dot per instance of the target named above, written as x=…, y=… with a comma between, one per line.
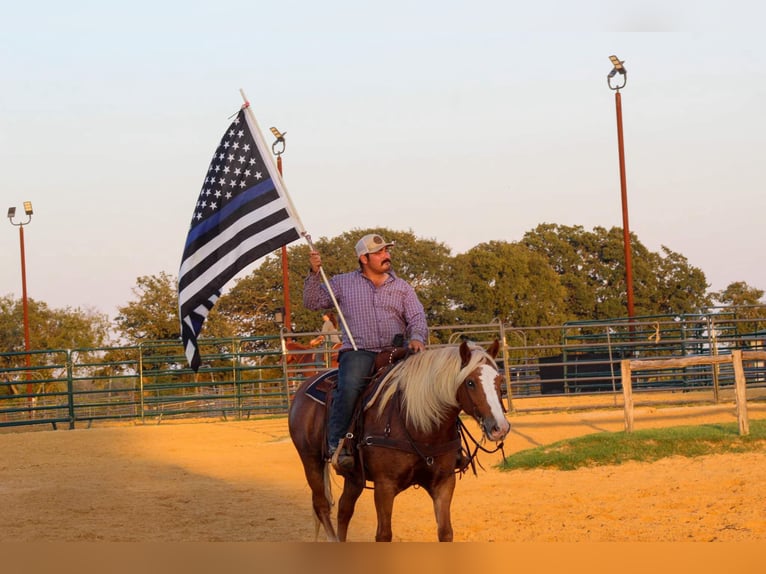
x=380, y=261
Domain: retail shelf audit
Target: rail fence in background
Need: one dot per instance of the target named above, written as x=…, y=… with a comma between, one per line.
x=256, y=376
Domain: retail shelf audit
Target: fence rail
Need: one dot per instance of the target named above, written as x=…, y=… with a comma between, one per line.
x=256, y=376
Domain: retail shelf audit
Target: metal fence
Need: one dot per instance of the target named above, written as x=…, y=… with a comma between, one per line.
x=150, y=381
x=256, y=376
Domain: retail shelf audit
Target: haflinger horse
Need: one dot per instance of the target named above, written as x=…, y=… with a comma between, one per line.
x=408, y=435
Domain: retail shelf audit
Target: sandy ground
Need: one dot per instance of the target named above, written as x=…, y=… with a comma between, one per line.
x=243, y=482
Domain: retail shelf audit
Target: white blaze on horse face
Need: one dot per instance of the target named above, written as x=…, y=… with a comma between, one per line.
x=487, y=377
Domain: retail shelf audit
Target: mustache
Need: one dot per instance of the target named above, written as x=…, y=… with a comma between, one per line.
x=385, y=261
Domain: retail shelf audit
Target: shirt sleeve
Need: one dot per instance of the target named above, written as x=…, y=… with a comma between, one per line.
x=315, y=295
x=415, y=316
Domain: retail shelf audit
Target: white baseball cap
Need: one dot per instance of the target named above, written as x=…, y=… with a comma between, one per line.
x=371, y=243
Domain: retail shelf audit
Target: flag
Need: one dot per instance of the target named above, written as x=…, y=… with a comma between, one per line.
x=242, y=214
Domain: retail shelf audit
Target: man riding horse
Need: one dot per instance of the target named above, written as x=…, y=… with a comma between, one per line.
x=377, y=306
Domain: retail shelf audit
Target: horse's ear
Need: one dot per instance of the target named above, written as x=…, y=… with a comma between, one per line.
x=494, y=348
x=465, y=354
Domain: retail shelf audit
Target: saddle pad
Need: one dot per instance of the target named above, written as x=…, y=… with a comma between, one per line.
x=318, y=389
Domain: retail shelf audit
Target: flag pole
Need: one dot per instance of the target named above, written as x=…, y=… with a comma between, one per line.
x=302, y=230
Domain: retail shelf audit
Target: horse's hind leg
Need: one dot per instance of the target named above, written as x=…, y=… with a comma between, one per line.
x=352, y=490
x=321, y=497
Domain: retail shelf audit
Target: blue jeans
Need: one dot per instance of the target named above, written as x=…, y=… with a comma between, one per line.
x=354, y=370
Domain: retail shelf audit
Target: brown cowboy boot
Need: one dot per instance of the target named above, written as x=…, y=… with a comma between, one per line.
x=341, y=460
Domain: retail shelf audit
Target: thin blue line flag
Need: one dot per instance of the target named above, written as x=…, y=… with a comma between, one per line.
x=242, y=214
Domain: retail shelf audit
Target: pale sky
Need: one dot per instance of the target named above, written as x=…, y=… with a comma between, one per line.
x=464, y=122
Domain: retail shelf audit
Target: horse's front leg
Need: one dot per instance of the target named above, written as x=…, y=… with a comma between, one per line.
x=384, y=506
x=352, y=490
x=441, y=494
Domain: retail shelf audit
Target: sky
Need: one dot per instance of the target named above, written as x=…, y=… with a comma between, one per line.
x=461, y=121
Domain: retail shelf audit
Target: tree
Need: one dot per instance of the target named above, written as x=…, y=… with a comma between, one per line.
x=250, y=305
x=49, y=330
x=153, y=317
x=509, y=282
x=569, y=251
x=592, y=268
x=739, y=294
x=675, y=286
x=65, y=328
x=744, y=302
x=421, y=262
x=154, y=314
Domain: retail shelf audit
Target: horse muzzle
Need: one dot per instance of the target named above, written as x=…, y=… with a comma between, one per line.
x=496, y=430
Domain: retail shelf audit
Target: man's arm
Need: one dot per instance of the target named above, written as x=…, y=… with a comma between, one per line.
x=315, y=295
x=415, y=316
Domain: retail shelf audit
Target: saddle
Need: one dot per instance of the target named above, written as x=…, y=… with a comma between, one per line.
x=384, y=361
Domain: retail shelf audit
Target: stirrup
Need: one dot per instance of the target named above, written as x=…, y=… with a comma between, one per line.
x=339, y=459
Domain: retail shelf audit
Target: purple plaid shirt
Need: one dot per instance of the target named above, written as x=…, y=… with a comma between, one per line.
x=374, y=314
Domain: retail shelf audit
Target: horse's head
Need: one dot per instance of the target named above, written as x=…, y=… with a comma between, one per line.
x=479, y=392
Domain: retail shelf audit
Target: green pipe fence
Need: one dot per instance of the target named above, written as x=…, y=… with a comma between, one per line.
x=249, y=377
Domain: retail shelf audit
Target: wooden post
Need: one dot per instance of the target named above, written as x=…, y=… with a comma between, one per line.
x=627, y=392
x=740, y=393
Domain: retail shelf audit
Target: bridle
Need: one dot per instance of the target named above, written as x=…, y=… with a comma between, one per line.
x=469, y=443
x=463, y=440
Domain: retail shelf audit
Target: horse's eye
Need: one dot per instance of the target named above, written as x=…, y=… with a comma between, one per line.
x=469, y=383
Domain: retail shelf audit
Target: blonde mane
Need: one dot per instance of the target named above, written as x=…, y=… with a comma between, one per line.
x=428, y=382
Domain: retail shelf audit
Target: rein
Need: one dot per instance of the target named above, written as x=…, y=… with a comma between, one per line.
x=465, y=435
x=464, y=441
x=425, y=451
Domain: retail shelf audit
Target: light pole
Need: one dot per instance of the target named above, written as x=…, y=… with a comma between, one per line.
x=25, y=305
x=616, y=80
x=278, y=148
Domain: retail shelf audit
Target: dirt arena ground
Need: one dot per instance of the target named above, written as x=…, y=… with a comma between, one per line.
x=243, y=482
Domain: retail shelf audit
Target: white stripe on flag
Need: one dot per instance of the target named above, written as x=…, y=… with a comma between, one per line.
x=191, y=347
x=215, y=242
x=222, y=264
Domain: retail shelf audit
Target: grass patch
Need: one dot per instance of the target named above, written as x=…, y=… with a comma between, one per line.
x=605, y=448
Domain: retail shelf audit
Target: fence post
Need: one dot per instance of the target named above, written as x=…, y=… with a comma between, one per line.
x=236, y=365
x=506, y=368
x=627, y=392
x=740, y=393
x=141, y=379
x=285, y=374
x=716, y=369
x=70, y=387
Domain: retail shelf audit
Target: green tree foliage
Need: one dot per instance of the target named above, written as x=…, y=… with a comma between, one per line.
x=507, y=282
x=153, y=315
x=251, y=304
x=591, y=265
x=739, y=294
x=555, y=274
x=674, y=286
x=49, y=329
x=424, y=263
x=745, y=302
x=65, y=328
x=571, y=252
